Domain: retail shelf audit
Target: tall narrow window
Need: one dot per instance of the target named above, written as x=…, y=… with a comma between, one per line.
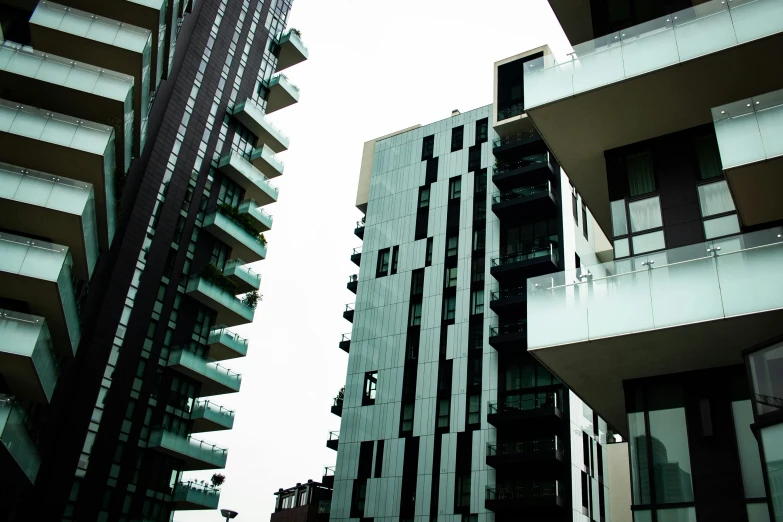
x=455, y=188
x=619, y=219
x=451, y=246
x=428, y=254
x=407, y=417
x=456, y=138
x=478, y=239
x=480, y=181
x=482, y=130
x=415, y=314
x=584, y=220
x=370, y=385
x=574, y=206
x=383, y=262
x=424, y=197
x=463, y=490
x=708, y=153
x=412, y=346
x=641, y=178
x=474, y=409
x=444, y=405
x=449, y=307
x=394, y=259
x=474, y=158
x=450, y=281
x=427, y=147
x=417, y=282
x=477, y=302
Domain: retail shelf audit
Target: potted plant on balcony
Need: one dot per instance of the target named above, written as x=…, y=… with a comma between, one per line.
x=217, y=480
x=251, y=299
x=215, y=276
x=338, y=399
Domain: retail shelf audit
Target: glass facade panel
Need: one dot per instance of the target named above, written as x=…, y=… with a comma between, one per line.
x=722, y=226
x=637, y=447
x=642, y=516
x=619, y=221
x=645, y=214
x=715, y=198
x=686, y=514
x=670, y=456
x=766, y=369
x=648, y=242
x=758, y=512
x=772, y=441
x=621, y=248
x=748, y=450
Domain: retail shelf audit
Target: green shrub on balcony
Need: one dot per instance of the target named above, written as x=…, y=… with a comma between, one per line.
x=251, y=299
x=214, y=275
x=246, y=222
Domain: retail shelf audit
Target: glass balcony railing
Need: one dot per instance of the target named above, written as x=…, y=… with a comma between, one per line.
x=505, y=293
x=193, y=495
x=238, y=270
x=257, y=186
x=530, y=448
x=518, y=402
x=292, y=35
x=230, y=310
x=718, y=279
x=515, y=109
x=197, y=454
x=27, y=342
x=264, y=159
x=215, y=379
x=253, y=117
x=703, y=29
x=226, y=226
x=262, y=219
x=750, y=130
x=521, y=137
x=292, y=49
x=16, y=439
x=213, y=413
x=506, y=329
x=533, y=490
x=225, y=344
x=522, y=192
x=282, y=81
x=525, y=255
x=502, y=168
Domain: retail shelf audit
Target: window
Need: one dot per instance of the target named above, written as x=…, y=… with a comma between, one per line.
x=456, y=138
x=474, y=370
x=584, y=220
x=641, y=178
x=455, y=188
x=715, y=198
x=477, y=270
x=427, y=147
x=621, y=248
x=428, y=256
x=708, y=154
x=412, y=346
x=451, y=249
x=417, y=282
x=450, y=280
x=407, y=417
x=477, y=302
x=303, y=498
x=478, y=239
x=474, y=409
x=574, y=206
x=482, y=130
x=444, y=405
x=577, y=261
x=395, y=257
x=480, y=181
x=722, y=226
x=645, y=214
x=415, y=314
x=449, y=306
x=424, y=197
x=474, y=158
x=383, y=262
x=619, y=220
x=358, y=498
x=370, y=385
x=462, y=497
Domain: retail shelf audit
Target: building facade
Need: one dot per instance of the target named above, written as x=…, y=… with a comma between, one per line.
x=135, y=158
x=308, y=502
x=676, y=340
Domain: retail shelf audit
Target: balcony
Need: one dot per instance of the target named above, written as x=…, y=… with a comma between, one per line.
x=508, y=336
x=256, y=215
x=39, y=273
x=255, y=184
x=353, y=283
x=214, y=378
x=359, y=230
x=674, y=311
x=337, y=407
x=19, y=458
x=57, y=208
x=208, y=416
x=537, y=200
x=328, y=479
x=345, y=343
x=348, y=313
x=334, y=436
x=75, y=88
x=508, y=300
x=532, y=497
x=535, y=167
x=191, y=495
x=543, y=407
x=252, y=116
x=27, y=361
x=282, y=93
x=750, y=138
x=101, y=42
x=196, y=454
x=230, y=310
x=356, y=256
x=533, y=456
x=263, y=158
x=525, y=263
x=292, y=49
x=246, y=278
x=224, y=224
x=225, y=344
x=60, y=145
x=650, y=80
x=527, y=141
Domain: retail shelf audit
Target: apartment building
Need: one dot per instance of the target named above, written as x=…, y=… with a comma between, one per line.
x=135, y=158
x=308, y=502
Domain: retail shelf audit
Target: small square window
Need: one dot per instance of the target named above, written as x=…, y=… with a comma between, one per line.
x=370, y=386
x=455, y=188
x=451, y=278
x=621, y=248
x=451, y=246
x=645, y=214
x=715, y=198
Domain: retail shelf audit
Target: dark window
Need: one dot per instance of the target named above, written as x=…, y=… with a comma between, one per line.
x=449, y=307
x=424, y=197
x=574, y=205
x=477, y=270
x=378, y=459
x=428, y=256
x=474, y=371
x=407, y=417
x=359, y=495
x=383, y=262
x=482, y=130
x=708, y=153
x=432, y=171
x=474, y=409
x=586, y=450
x=456, y=138
x=444, y=405
x=585, y=491
x=427, y=147
x=455, y=188
x=370, y=385
x=412, y=346
x=462, y=498
x=480, y=181
x=478, y=239
x=409, y=385
x=417, y=282
x=584, y=219
x=577, y=261
x=599, y=450
x=451, y=249
x=474, y=158
x=444, y=378
x=450, y=278
x=395, y=257
x=415, y=314
x=641, y=177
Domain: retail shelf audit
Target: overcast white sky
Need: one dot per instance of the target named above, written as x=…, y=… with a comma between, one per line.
x=376, y=66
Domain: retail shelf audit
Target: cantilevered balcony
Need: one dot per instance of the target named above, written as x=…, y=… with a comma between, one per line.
x=508, y=336
x=750, y=138
x=334, y=437
x=353, y=283
x=537, y=200
x=535, y=167
x=650, y=80
x=191, y=495
x=528, y=498
x=39, y=274
x=252, y=116
x=245, y=243
x=214, y=378
x=225, y=344
x=230, y=310
x=527, y=262
x=512, y=299
x=196, y=454
x=19, y=458
x=348, y=313
x=328, y=477
x=259, y=217
x=43, y=205
x=256, y=185
x=27, y=361
x=345, y=343
x=245, y=277
x=356, y=256
x=359, y=230
x=337, y=407
x=529, y=140
x=543, y=407
x=78, y=89
x=102, y=42
x=264, y=159
x=208, y=416
x=63, y=146
x=674, y=311
x=292, y=49
x=529, y=456
x=282, y=93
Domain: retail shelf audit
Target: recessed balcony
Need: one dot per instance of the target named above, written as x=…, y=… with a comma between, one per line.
x=356, y=256
x=191, y=495
x=196, y=454
x=750, y=139
x=508, y=336
x=353, y=283
x=208, y=416
x=337, y=407
x=39, y=273
x=543, y=407
x=508, y=300
x=334, y=437
x=537, y=200
x=102, y=42
x=282, y=93
x=224, y=224
x=75, y=88
x=257, y=186
x=19, y=456
x=61, y=209
x=252, y=116
x=292, y=49
x=359, y=230
x=535, y=167
x=225, y=344
x=230, y=310
x=650, y=80
x=245, y=277
x=529, y=456
x=348, y=313
x=345, y=343
x=528, y=498
x=263, y=158
x=63, y=146
x=525, y=263
x=214, y=378
x=679, y=310
x=27, y=361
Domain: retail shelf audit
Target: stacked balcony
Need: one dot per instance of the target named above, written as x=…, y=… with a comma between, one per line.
x=537, y=200
x=537, y=166
x=511, y=300
x=195, y=454
x=533, y=455
x=356, y=256
x=252, y=116
x=534, y=498
x=353, y=283
x=257, y=186
x=345, y=343
x=337, y=407
x=282, y=93
x=508, y=336
x=27, y=360
x=214, y=378
x=542, y=407
x=245, y=243
x=19, y=458
x=246, y=279
x=359, y=230
x=230, y=310
x=264, y=159
x=292, y=49
x=529, y=260
x=192, y=495
x=225, y=344
x=348, y=313
x=332, y=441
x=208, y=416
